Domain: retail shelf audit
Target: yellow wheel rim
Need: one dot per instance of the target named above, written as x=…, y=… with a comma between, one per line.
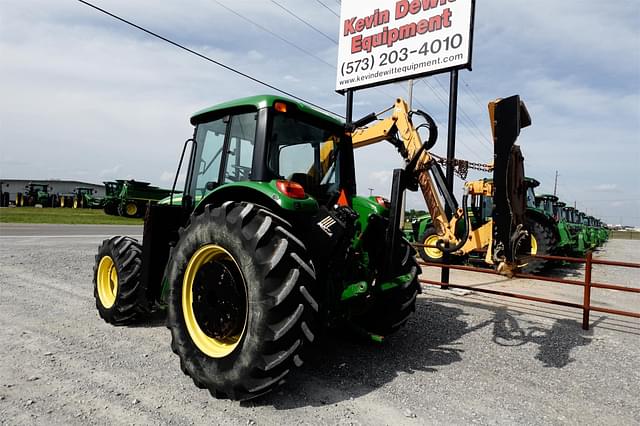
x=107, y=282
x=432, y=252
x=211, y=346
x=132, y=209
x=534, y=245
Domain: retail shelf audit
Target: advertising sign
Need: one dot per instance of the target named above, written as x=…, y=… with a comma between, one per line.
x=383, y=41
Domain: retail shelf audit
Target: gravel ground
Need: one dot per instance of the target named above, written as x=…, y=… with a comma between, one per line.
x=461, y=359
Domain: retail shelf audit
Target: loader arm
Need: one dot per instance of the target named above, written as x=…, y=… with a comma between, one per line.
x=400, y=131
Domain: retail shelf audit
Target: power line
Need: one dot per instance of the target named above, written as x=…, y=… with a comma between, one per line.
x=328, y=8
x=446, y=106
x=464, y=113
x=472, y=92
x=444, y=102
x=304, y=22
x=200, y=55
x=238, y=14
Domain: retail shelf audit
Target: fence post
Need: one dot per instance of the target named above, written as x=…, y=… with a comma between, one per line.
x=444, y=277
x=586, y=302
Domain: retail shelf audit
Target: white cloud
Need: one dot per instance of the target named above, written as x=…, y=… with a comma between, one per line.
x=605, y=187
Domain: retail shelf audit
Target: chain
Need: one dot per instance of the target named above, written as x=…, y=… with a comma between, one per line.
x=461, y=167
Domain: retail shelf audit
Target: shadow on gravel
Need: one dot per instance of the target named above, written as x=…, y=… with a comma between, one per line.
x=565, y=270
x=343, y=368
x=554, y=344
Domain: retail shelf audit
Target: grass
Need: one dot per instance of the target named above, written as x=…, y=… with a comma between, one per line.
x=63, y=216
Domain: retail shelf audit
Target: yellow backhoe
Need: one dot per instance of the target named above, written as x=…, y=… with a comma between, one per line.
x=502, y=235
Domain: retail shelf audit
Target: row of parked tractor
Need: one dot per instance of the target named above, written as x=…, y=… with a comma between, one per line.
x=556, y=229
x=127, y=198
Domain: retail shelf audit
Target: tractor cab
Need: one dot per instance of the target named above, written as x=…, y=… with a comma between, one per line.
x=558, y=211
x=291, y=152
x=531, y=184
x=546, y=202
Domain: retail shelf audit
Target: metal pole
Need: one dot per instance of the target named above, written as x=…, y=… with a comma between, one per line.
x=348, y=181
x=586, y=301
x=451, y=149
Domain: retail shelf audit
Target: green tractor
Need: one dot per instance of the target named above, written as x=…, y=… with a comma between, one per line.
x=267, y=245
x=542, y=226
x=111, y=193
x=568, y=245
x=35, y=193
x=600, y=234
x=552, y=207
x=590, y=242
x=602, y=230
x=84, y=198
x=576, y=231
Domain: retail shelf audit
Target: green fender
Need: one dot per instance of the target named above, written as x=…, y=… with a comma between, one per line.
x=263, y=193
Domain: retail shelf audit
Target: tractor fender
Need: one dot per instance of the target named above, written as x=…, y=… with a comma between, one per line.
x=261, y=193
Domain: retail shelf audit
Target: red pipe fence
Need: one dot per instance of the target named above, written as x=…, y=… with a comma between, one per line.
x=587, y=284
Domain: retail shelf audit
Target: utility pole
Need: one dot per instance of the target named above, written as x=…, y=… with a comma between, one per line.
x=555, y=185
x=370, y=192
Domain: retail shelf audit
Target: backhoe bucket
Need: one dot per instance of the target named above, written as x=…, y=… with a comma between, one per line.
x=508, y=116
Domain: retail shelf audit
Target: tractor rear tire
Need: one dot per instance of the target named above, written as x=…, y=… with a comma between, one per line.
x=240, y=304
x=543, y=242
x=430, y=254
x=394, y=307
x=116, y=281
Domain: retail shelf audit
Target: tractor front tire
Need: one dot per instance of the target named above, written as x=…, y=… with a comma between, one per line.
x=430, y=254
x=543, y=242
x=116, y=281
x=240, y=306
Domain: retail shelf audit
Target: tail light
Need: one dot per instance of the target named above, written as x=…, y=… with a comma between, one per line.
x=383, y=202
x=290, y=189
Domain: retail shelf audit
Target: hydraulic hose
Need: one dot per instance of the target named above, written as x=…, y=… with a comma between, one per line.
x=426, y=146
x=440, y=244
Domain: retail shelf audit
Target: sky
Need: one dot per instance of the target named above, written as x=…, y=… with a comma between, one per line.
x=85, y=97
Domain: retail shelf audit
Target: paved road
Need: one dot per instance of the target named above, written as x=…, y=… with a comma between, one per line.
x=461, y=359
x=51, y=230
